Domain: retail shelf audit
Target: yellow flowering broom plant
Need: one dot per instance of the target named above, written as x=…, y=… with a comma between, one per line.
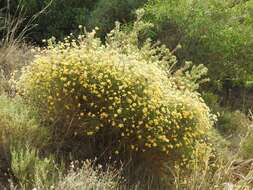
x=122, y=96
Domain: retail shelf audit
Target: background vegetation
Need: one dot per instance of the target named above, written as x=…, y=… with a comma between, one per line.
x=87, y=103
x=62, y=17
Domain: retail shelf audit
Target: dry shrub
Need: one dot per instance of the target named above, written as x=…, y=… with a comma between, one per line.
x=89, y=177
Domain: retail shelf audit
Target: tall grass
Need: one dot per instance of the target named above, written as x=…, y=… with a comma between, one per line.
x=15, y=26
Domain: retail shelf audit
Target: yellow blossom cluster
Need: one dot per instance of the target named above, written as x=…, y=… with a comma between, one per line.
x=102, y=91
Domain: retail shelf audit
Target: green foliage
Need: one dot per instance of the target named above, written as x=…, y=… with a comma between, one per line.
x=106, y=12
x=190, y=76
x=233, y=123
x=62, y=17
x=33, y=171
x=246, y=146
x=18, y=122
x=20, y=129
x=212, y=101
x=215, y=33
x=119, y=99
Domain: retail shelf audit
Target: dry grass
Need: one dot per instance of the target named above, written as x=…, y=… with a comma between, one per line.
x=12, y=58
x=14, y=52
x=89, y=177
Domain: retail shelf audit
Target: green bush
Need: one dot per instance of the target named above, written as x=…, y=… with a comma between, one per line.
x=34, y=171
x=20, y=129
x=61, y=17
x=234, y=126
x=106, y=12
x=233, y=123
x=246, y=146
x=58, y=17
x=118, y=99
x=212, y=101
x=215, y=33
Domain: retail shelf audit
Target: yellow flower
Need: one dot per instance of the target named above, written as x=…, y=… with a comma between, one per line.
x=103, y=115
x=90, y=133
x=119, y=111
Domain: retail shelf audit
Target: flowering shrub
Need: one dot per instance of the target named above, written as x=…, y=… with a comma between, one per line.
x=121, y=95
